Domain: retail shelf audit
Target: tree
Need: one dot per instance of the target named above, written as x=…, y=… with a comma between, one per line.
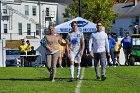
x=93, y=10
x=123, y=1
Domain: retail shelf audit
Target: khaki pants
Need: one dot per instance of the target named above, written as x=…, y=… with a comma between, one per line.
x=51, y=63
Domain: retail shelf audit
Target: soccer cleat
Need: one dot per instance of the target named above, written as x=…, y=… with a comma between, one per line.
x=53, y=80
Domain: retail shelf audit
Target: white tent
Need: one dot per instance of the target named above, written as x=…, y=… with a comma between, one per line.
x=83, y=25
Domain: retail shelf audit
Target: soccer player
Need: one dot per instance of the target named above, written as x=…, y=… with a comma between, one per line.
x=75, y=48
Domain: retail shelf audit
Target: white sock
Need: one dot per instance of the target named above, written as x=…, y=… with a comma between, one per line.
x=72, y=71
x=78, y=71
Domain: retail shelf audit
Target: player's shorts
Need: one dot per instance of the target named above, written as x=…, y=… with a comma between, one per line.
x=75, y=57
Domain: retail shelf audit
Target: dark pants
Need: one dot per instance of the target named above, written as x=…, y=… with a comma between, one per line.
x=126, y=53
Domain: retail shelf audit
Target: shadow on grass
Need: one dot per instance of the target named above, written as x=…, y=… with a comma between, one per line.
x=26, y=79
x=45, y=79
x=34, y=79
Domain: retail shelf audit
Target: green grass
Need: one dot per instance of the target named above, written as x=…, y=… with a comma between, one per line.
x=123, y=79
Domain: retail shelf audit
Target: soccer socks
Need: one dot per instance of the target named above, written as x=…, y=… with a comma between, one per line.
x=72, y=71
x=78, y=71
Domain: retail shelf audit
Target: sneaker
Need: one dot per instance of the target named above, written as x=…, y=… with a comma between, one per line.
x=98, y=78
x=72, y=79
x=103, y=78
x=110, y=64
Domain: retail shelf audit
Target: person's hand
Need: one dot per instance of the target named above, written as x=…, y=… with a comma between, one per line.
x=108, y=54
x=68, y=43
x=68, y=54
x=50, y=49
x=81, y=53
x=90, y=54
x=129, y=55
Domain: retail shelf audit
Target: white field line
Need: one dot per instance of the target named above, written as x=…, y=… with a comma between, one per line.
x=77, y=89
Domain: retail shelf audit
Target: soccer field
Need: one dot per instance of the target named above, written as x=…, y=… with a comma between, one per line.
x=122, y=79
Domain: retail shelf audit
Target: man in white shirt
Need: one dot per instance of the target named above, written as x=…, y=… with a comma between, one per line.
x=99, y=45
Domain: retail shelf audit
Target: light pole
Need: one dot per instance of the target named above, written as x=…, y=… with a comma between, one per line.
x=40, y=33
x=80, y=8
x=0, y=19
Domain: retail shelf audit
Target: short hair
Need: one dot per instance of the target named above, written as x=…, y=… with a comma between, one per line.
x=27, y=41
x=32, y=46
x=73, y=22
x=50, y=26
x=100, y=22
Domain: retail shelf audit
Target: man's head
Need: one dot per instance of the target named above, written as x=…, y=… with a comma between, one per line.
x=23, y=42
x=109, y=35
x=99, y=26
x=74, y=25
x=28, y=42
x=32, y=47
x=127, y=35
x=51, y=29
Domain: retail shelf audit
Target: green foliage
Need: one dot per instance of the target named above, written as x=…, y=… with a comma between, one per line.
x=93, y=10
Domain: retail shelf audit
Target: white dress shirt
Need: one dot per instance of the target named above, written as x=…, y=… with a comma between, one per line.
x=99, y=42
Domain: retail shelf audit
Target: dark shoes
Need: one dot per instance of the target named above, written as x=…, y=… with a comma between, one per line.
x=98, y=78
x=103, y=78
x=72, y=79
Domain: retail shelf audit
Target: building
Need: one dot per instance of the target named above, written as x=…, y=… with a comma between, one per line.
x=128, y=20
x=29, y=18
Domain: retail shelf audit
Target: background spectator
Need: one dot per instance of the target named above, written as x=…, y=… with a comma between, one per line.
x=112, y=44
x=117, y=50
x=61, y=53
x=28, y=48
x=126, y=43
x=22, y=50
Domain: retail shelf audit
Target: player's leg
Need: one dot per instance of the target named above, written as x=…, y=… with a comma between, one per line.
x=72, y=57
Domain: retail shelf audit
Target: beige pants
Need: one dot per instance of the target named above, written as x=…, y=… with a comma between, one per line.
x=51, y=63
